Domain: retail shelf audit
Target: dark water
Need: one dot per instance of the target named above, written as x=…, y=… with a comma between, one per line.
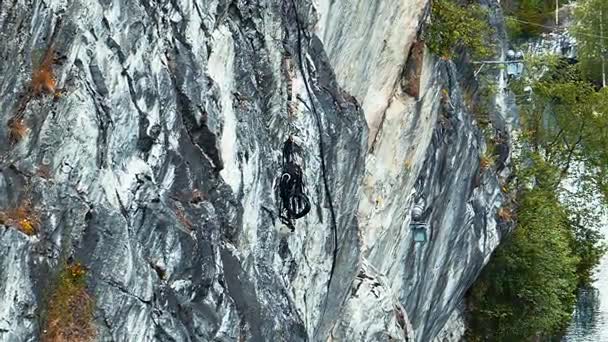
x=590, y=321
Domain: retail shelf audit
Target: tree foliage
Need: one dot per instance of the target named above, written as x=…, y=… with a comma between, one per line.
x=590, y=28
x=529, y=285
x=566, y=118
x=531, y=14
x=528, y=288
x=452, y=26
x=529, y=18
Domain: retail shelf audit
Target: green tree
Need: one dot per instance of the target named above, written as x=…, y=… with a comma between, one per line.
x=452, y=26
x=588, y=245
x=529, y=18
x=565, y=121
x=528, y=288
x=590, y=30
x=566, y=118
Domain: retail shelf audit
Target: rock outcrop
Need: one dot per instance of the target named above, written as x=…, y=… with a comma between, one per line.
x=151, y=152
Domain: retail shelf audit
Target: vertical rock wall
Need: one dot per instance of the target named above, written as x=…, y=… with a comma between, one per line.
x=154, y=161
x=154, y=168
x=424, y=151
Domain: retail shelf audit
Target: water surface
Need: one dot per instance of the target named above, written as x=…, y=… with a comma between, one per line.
x=590, y=321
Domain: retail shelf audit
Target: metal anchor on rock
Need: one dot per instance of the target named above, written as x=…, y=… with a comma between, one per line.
x=418, y=224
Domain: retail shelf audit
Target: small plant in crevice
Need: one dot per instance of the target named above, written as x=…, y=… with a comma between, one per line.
x=408, y=164
x=482, y=116
x=17, y=130
x=483, y=104
x=24, y=217
x=43, y=81
x=70, y=308
x=486, y=161
x=507, y=188
x=505, y=214
x=446, y=100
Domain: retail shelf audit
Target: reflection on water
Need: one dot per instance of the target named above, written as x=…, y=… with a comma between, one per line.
x=590, y=321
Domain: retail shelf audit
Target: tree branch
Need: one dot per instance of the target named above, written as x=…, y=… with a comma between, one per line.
x=571, y=150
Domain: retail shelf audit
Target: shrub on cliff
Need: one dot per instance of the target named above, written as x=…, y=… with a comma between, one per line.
x=70, y=308
x=452, y=26
x=24, y=217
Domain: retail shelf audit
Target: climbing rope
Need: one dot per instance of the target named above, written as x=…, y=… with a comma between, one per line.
x=321, y=146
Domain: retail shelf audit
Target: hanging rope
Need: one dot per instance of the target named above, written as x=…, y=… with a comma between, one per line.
x=321, y=146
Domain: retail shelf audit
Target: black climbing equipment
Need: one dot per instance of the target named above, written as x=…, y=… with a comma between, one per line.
x=290, y=190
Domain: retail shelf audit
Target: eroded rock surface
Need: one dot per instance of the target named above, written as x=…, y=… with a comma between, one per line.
x=153, y=163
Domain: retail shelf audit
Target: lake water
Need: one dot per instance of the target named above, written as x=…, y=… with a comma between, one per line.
x=590, y=322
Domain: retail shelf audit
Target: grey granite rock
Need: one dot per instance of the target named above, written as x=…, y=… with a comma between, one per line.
x=424, y=151
x=156, y=164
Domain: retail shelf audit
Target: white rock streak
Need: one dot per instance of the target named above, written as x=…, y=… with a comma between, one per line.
x=221, y=62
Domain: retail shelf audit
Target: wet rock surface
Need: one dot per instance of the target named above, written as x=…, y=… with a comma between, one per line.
x=153, y=155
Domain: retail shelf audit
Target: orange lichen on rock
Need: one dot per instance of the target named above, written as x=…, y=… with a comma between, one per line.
x=27, y=226
x=43, y=78
x=70, y=308
x=23, y=218
x=16, y=130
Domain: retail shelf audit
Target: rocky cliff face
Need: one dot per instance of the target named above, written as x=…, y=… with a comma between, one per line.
x=152, y=156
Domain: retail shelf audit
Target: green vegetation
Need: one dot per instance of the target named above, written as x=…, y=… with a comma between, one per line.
x=528, y=286
x=70, y=308
x=588, y=246
x=529, y=18
x=575, y=130
x=453, y=26
x=23, y=217
x=528, y=289
x=591, y=21
x=487, y=160
x=526, y=17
